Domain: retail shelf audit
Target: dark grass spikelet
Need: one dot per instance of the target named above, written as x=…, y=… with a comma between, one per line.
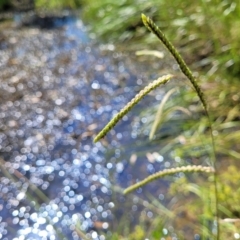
x=183, y=66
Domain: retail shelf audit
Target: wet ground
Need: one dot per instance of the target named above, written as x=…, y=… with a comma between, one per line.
x=58, y=89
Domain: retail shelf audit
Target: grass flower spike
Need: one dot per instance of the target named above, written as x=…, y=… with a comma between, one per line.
x=166, y=172
x=183, y=66
x=131, y=104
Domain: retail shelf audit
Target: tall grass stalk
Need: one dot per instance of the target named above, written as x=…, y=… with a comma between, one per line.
x=187, y=72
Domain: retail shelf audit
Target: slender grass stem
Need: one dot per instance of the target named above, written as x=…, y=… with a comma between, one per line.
x=215, y=177
x=187, y=72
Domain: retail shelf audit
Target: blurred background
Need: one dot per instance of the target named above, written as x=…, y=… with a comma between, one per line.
x=66, y=68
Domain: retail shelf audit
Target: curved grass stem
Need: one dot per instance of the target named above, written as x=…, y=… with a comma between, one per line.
x=187, y=72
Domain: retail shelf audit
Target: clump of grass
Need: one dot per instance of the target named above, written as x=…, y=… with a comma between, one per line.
x=187, y=72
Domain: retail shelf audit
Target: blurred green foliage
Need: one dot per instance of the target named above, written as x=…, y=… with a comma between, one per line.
x=207, y=31
x=44, y=4
x=58, y=4
x=194, y=195
x=4, y=4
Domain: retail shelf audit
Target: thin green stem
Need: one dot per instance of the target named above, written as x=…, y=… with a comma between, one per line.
x=187, y=72
x=215, y=176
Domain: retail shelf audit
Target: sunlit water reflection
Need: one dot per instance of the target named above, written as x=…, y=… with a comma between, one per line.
x=57, y=90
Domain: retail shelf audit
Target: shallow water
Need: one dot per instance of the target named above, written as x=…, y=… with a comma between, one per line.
x=58, y=89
